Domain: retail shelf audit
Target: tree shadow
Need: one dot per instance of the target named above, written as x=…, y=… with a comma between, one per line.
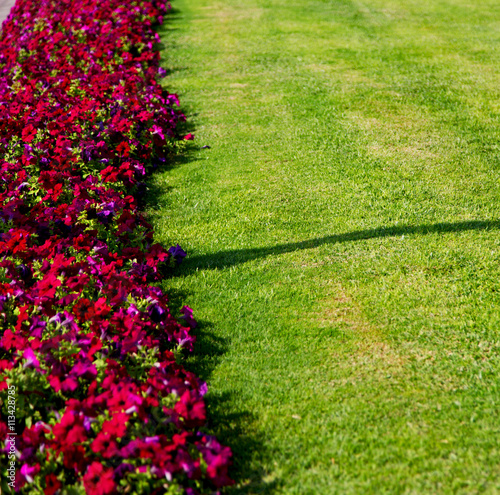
x=226, y=259
x=209, y=349
x=249, y=451
x=231, y=428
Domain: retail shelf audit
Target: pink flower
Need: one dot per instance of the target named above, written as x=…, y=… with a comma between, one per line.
x=30, y=359
x=29, y=472
x=155, y=129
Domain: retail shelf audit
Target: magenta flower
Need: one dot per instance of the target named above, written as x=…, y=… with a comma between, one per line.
x=31, y=360
x=29, y=472
x=84, y=369
x=155, y=129
x=187, y=316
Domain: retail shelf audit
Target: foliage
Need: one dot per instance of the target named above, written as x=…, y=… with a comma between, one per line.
x=88, y=345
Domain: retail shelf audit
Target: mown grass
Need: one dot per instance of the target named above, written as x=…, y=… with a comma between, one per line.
x=343, y=238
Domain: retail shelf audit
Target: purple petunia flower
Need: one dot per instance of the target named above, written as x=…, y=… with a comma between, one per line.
x=203, y=388
x=84, y=369
x=37, y=327
x=187, y=316
x=155, y=129
x=157, y=313
x=122, y=469
x=177, y=253
x=107, y=213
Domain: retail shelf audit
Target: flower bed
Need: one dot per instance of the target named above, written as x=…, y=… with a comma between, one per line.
x=89, y=379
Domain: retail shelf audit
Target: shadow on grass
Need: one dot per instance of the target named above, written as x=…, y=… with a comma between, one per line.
x=231, y=428
x=226, y=259
x=234, y=428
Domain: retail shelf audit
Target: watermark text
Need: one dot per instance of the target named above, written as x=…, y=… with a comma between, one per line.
x=11, y=440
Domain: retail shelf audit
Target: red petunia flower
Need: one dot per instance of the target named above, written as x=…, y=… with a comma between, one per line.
x=70, y=430
x=191, y=409
x=98, y=480
x=104, y=445
x=28, y=134
x=84, y=309
x=52, y=484
x=123, y=148
x=117, y=425
x=74, y=458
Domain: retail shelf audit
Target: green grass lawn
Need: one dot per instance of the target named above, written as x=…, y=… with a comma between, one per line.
x=343, y=238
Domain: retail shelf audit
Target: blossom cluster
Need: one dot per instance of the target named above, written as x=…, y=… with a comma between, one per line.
x=86, y=338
